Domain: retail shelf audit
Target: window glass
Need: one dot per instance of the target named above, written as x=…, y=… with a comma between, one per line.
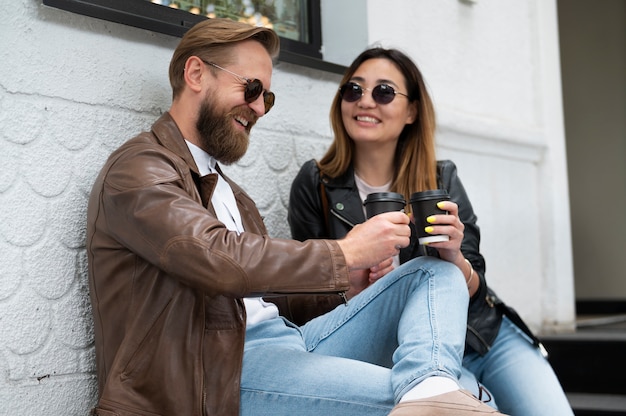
x=297, y=22
x=287, y=17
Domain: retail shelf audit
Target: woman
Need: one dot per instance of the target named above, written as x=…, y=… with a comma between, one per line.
x=384, y=125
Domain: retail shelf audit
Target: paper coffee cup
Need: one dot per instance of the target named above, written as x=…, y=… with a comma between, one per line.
x=379, y=202
x=423, y=205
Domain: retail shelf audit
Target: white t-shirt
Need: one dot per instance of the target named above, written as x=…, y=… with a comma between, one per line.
x=223, y=201
x=364, y=190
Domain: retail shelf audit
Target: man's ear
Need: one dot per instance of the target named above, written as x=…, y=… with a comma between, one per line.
x=194, y=71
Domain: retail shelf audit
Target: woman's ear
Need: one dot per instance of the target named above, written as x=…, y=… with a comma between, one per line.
x=194, y=70
x=412, y=111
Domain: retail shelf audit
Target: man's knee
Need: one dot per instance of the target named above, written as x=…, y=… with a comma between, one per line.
x=435, y=268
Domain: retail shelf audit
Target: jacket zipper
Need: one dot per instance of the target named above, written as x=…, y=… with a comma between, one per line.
x=204, y=399
x=342, y=218
x=204, y=380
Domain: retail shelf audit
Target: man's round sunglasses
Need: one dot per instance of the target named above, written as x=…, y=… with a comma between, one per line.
x=381, y=94
x=253, y=89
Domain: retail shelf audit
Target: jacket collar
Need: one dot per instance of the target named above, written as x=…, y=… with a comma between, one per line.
x=344, y=199
x=168, y=134
x=344, y=181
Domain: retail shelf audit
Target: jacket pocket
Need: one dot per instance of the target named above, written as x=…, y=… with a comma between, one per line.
x=145, y=354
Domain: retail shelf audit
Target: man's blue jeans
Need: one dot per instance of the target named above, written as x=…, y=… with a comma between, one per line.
x=360, y=358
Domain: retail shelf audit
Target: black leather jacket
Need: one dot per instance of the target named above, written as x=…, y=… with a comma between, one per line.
x=307, y=220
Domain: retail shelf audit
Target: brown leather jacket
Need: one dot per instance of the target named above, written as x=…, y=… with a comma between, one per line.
x=166, y=280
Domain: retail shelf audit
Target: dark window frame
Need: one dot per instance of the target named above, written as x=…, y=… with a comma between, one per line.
x=146, y=15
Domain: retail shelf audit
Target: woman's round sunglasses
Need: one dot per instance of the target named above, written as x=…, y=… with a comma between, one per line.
x=381, y=94
x=253, y=89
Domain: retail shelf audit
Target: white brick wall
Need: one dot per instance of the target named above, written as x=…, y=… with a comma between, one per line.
x=73, y=88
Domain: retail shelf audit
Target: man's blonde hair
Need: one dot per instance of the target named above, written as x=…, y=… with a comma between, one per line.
x=212, y=40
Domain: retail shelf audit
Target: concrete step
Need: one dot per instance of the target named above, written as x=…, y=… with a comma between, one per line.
x=591, y=364
x=593, y=359
x=597, y=404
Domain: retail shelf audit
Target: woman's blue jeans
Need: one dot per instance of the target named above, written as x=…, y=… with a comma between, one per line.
x=520, y=379
x=360, y=358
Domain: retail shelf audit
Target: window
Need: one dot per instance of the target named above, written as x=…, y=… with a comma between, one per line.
x=297, y=22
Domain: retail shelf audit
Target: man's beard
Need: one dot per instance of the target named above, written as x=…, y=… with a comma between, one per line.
x=218, y=136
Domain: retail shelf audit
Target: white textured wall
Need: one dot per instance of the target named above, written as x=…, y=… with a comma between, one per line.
x=73, y=88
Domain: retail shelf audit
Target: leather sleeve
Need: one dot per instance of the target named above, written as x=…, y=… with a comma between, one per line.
x=470, y=247
x=151, y=206
x=483, y=322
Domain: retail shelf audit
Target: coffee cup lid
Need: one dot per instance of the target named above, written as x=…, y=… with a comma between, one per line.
x=384, y=196
x=429, y=194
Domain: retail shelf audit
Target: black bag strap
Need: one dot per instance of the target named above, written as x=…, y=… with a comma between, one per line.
x=324, y=199
x=519, y=322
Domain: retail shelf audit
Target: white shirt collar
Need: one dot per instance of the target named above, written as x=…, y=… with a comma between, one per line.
x=206, y=163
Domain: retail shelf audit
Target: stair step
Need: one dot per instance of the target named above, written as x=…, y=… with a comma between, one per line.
x=593, y=358
x=585, y=404
x=589, y=361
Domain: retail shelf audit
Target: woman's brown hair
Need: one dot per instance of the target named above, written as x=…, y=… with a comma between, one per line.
x=415, y=160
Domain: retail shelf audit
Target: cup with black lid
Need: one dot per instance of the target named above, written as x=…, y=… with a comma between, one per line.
x=423, y=205
x=379, y=202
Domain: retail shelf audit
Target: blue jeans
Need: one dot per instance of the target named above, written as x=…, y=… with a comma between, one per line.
x=360, y=358
x=520, y=379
